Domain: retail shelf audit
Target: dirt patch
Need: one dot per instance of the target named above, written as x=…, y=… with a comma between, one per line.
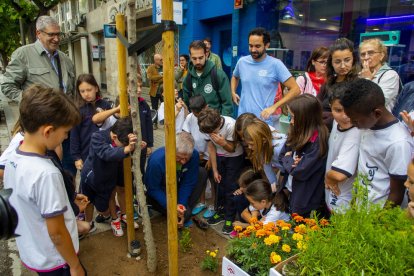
x=105, y=254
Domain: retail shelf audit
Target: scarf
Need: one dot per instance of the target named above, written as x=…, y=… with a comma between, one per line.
x=317, y=82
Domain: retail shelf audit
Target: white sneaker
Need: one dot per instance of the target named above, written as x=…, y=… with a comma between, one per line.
x=124, y=220
x=116, y=227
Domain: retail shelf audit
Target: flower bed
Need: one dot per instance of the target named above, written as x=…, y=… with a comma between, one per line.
x=260, y=247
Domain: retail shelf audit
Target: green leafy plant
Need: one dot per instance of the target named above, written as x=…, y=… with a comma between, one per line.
x=367, y=239
x=186, y=243
x=210, y=261
x=259, y=247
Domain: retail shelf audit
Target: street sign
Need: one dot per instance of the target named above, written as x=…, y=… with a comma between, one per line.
x=109, y=31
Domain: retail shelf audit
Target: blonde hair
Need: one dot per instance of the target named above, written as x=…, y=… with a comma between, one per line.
x=377, y=43
x=260, y=134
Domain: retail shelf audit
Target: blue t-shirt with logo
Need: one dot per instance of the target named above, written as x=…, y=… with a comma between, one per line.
x=259, y=82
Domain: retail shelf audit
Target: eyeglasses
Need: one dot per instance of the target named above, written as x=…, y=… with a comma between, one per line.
x=368, y=54
x=51, y=35
x=322, y=62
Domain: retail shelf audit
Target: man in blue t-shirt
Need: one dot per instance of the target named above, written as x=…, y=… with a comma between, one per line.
x=260, y=75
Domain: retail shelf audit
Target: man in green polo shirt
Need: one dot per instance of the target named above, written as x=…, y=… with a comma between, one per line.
x=210, y=55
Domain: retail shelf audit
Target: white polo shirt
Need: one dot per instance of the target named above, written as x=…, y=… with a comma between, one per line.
x=38, y=193
x=342, y=157
x=226, y=131
x=384, y=152
x=191, y=126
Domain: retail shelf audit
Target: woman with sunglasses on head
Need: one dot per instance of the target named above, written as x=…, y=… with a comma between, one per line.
x=315, y=75
x=341, y=68
x=373, y=54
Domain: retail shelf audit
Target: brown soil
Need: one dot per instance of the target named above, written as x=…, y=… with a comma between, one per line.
x=105, y=254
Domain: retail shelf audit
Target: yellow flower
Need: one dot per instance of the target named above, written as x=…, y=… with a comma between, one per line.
x=250, y=229
x=286, y=248
x=285, y=228
x=301, y=245
x=208, y=252
x=238, y=228
x=254, y=245
x=275, y=258
x=216, y=251
x=272, y=239
x=213, y=254
x=297, y=237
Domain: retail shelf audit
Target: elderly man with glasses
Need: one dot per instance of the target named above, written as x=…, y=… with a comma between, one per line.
x=40, y=62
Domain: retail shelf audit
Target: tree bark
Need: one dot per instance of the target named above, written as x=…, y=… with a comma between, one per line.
x=132, y=66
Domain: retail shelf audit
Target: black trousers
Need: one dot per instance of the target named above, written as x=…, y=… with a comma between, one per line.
x=229, y=168
x=154, y=102
x=192, y=200
x=63, y=271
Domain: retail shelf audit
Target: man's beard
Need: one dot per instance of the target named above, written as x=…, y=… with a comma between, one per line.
x=199, y=67
x=257, y=55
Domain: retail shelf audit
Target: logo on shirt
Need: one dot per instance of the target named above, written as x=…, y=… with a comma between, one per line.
x=371, y=174
x=262, y=73
x=194, y=85
x=208, y=88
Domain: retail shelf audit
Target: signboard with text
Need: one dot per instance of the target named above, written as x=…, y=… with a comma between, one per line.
x=177, y=12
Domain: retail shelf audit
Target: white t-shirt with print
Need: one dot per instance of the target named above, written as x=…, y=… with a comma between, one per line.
x=38, y=193
x=271, y=215
x=191, y=126
x=383, y=153
x=343, y=158
x=227, y=131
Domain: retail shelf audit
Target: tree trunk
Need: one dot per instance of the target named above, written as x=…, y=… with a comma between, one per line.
x=132, y=61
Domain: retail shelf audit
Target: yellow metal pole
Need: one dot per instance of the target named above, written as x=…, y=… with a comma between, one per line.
x=170, y=159
x=123, y=101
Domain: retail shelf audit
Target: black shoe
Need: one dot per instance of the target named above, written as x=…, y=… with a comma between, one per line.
x=216, y=219
x=227, y=227
x=101, y=219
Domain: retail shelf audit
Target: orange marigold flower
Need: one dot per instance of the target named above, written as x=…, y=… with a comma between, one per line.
x=280, y=222
x=275, y=258
x=301, y=229
x=238, y=228
x=310, y=222
x=250, y=229
x=324, y=222
x=294, y=215
x=315, y=227
x=298, y=218
x=269, y=226
x=260, y=233
x=253, y=220
x=297, y=237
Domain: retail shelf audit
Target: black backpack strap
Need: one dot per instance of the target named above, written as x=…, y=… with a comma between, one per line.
x=400, y=85
x=215, y=82
x=189, y=84
x=385, y=71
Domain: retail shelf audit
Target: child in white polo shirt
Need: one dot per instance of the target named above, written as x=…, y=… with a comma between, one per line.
x=386, y=145
x=343, y=155
x=48, y=236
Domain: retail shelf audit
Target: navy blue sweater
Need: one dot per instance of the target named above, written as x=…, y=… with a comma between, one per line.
x=154, y=179
x=80, y=135
x=104, y=160
x=308, y=183
x=146, y=122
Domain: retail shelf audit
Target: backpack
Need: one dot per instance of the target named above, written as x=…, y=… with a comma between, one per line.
x=405, y=100
x=214, y=83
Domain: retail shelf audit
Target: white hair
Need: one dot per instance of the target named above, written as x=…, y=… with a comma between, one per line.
x=184, y=143
x=45, y=21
